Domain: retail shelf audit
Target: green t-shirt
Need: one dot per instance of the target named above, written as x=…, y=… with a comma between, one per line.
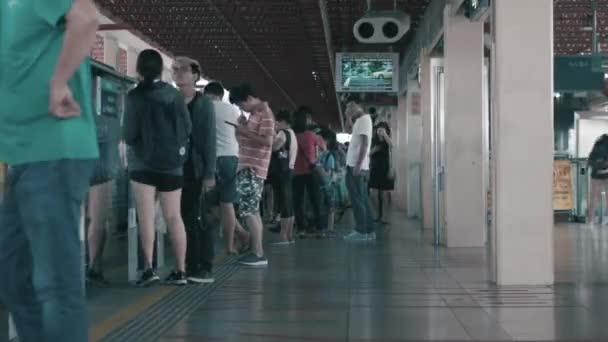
x=31, y=39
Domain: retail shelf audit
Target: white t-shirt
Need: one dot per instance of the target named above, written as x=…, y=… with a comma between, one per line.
x=363, y=126
x=293, y=147
x=227, y=145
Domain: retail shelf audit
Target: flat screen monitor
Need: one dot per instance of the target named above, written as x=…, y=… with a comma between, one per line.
x=367, y=72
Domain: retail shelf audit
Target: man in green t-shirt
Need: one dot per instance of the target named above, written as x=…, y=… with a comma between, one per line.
x=47, y=137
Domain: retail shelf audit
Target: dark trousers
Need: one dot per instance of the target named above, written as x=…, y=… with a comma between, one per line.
x=359, y=198
x=41, y=268
x=306, y=184
x=199, y=233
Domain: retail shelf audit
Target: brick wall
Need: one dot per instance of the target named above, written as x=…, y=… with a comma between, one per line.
x=98, y=49
x=122, y=61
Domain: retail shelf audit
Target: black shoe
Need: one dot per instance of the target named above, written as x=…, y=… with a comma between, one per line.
x=148, y=278
x=177, y=278
x=202, y=277
x=96, y=278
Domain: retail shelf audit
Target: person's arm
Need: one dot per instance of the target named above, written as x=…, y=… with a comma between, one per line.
x=279, y=141
x=81, y=28
x=130, y=126
x=264, y=137
x=363, y=151
x=365, y=132
x=204, y=135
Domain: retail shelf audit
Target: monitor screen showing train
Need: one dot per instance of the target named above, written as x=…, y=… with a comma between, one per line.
x=367, y=72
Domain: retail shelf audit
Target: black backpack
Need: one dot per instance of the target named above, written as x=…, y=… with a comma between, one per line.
x=164, y=135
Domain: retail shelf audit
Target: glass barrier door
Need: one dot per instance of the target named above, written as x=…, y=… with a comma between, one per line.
x=439, y=151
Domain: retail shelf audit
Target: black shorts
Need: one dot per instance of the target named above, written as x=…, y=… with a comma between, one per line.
x=161, y=181
x=284, y=187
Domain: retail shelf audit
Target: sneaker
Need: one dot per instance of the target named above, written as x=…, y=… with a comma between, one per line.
x=148, y=278
x=280, y=243
x=202, y=277
x=371, y=236
x=356, y=236
x=177, y=278
x=96, y=278
x=253, y=260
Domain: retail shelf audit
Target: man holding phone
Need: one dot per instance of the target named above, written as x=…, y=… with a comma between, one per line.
x=47, y=137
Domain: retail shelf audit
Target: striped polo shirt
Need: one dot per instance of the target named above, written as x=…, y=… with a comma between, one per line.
x=252, y=154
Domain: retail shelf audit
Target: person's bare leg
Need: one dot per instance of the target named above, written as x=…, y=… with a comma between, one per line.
x=99, y=204
x=256, y=229
x=228, y=219
x=373, y=199
x=241, y=234
x=331, y=219
x=171, y=205
x=592, y=200
x=285, y=229
x=291, y=232
x=145, y=202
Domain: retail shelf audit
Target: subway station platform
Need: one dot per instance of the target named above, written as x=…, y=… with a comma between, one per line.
x=398, y=288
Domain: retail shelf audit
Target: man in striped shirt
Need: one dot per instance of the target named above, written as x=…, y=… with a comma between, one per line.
x=255, y=136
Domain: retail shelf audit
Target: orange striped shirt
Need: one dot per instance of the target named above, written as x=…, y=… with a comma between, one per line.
x=252, y=154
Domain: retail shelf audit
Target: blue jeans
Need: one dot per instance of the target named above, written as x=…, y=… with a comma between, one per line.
x=40, y=251
x=359, y=198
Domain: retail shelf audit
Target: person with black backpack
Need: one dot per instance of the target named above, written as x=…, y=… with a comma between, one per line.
x=598, y=162
x=285, y=150
x=199, y=172
x=157, y=127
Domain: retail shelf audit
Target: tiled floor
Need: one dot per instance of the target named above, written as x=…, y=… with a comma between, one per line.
x=401, y=288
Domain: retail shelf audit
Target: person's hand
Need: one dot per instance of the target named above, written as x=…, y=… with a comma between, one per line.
x=241, y=129
x=357, y=170
x=208, y=184
x=61, y=102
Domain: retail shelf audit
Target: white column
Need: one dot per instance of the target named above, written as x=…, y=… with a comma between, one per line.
x=464, y=132
x=111, y=51
x=523, y=141
x=400, y=155
x=427, y=140
x=132, y=62
x=414, y=149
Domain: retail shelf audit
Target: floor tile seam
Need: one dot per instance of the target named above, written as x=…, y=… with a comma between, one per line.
x=468, y=332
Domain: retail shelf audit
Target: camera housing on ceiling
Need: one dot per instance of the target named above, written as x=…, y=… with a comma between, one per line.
x=382, y=27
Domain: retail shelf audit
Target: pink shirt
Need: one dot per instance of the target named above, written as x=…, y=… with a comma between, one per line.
x=307, y=145
x=252, y=154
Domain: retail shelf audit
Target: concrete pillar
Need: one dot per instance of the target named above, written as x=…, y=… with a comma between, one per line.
x=523, y=141
x=400, y=155
x=111, y=51
x=414, y=150
x=427, y=140
x=132, y=62
x=464, y=132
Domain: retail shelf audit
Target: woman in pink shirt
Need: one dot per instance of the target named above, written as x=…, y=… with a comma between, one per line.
x=303, y=181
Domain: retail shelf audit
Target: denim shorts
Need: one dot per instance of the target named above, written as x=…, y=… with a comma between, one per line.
x=226, y=178
x=249, y=190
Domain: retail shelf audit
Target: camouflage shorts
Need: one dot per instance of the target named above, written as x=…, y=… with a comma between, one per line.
x=249, y=188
